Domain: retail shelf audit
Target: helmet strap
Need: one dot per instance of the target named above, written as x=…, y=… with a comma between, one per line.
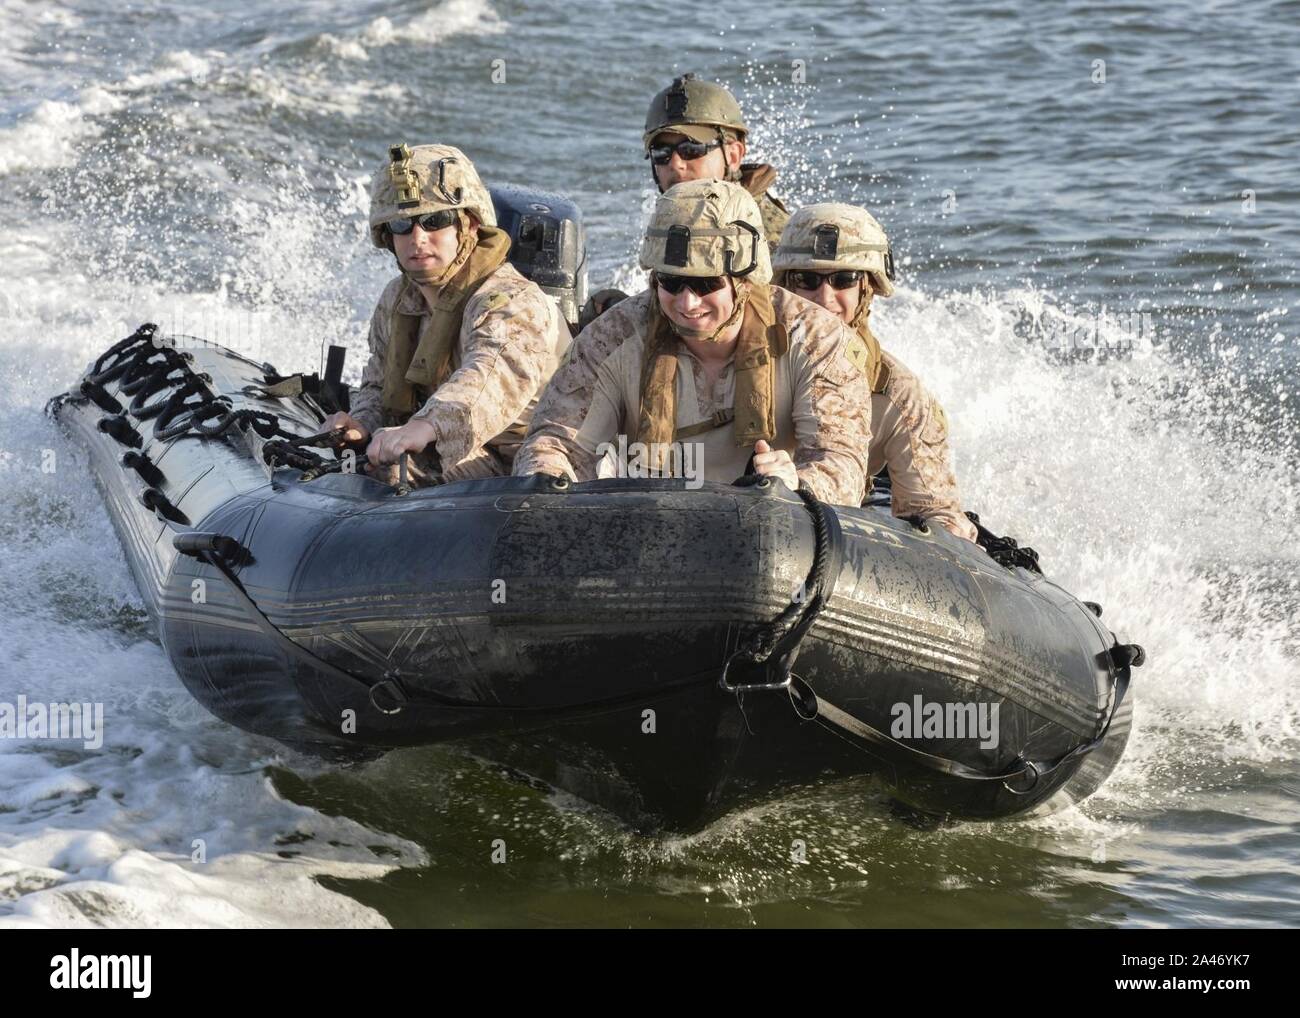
x=864, y=306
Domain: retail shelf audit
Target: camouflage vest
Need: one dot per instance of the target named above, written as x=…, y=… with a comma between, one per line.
x=419, y=359
x=760, y=343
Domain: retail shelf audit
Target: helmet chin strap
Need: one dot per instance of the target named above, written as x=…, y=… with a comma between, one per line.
x=864, y=305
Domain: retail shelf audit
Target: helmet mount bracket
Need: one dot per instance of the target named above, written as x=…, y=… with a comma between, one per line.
x=675, y=253
x=826, y=242
x=452, y=198
x=406, y=182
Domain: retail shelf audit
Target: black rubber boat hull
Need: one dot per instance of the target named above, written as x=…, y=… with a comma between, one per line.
x=541, y=624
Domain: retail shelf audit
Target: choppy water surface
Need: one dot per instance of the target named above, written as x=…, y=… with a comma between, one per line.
x=205, y=167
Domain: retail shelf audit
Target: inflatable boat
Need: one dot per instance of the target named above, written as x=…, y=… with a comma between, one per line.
x=669, y=653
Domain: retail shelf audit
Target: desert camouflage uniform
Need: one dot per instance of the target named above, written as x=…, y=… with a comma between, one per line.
x=551, y=446
x=705, y=111
x=823, y=401
x=909, y=435
x=909, y=427
x=506, y=351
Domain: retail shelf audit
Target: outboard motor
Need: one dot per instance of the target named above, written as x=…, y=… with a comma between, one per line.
x=547, y=243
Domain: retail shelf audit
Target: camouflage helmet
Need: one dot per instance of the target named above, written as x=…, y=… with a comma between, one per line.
x=689, y=102
x=424, y=179
x=707, y=228
x=831, y=236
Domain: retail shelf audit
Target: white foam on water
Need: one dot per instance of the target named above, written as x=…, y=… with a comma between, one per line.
x=1133, y=499
x=181, y=65
x=105, y=837
x=23, y=22
x=346, y=49
x=51, y=135
x=448, y=19
x=55, y=133
x=316, y=92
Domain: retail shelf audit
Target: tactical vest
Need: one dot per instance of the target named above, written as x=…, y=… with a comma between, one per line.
x=762, y=341
x=420, y=346
x=713, y=445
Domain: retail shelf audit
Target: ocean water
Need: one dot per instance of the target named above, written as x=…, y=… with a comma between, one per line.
x=1063, y=183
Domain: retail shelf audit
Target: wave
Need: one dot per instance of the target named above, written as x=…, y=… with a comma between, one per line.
x=446, y=21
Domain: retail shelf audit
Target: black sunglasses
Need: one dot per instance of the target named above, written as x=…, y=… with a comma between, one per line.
x=802, y=279
x=700, y=285
x=688, y=149
x=439, y=220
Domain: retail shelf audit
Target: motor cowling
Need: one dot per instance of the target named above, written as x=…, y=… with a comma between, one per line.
x=548, y=243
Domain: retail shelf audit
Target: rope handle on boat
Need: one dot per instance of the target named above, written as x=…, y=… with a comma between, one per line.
x=772, y=649
x=143, y=367
x=775, y=647
x=1005, y=551
x=99, y=374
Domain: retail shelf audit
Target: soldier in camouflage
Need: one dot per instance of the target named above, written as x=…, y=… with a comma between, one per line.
x=711, y=355
x=838, y=256
x=694, y=130
x=460, y=342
